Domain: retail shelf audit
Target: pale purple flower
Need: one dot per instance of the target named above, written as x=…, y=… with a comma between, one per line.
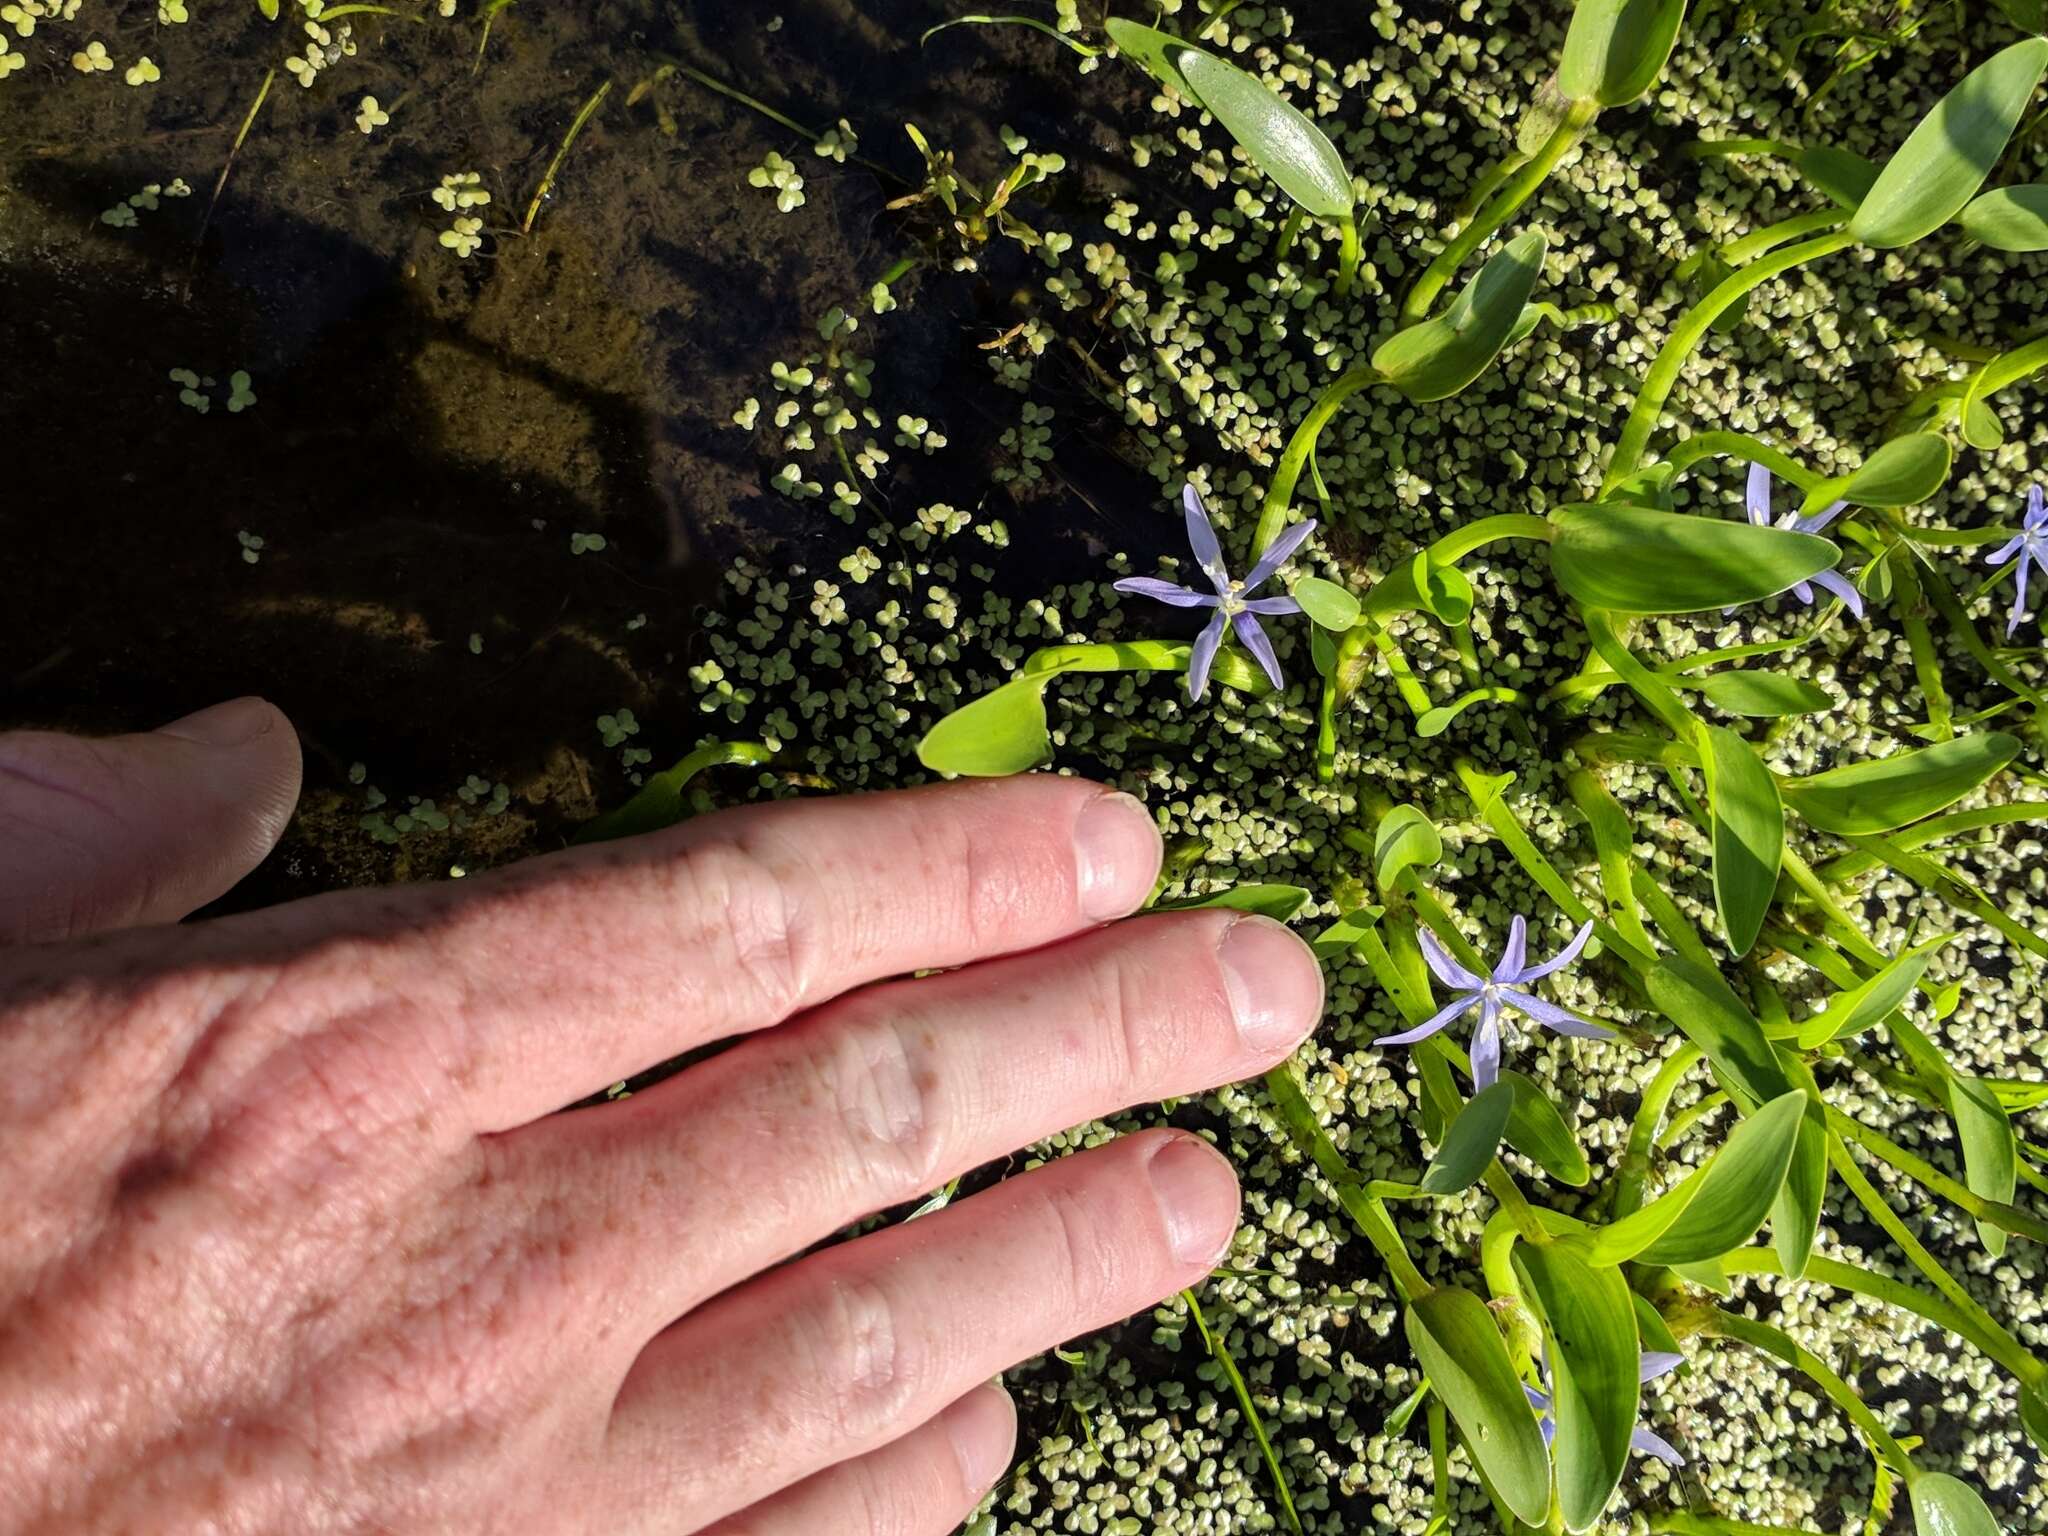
x=1758, y=504
x=1656, y=1362
x=1503, y=989
x=1235, y=610
x=2031, y=545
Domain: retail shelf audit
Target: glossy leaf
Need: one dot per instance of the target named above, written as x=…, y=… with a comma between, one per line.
x=659, y=802
x=1991, y=1153
x=1749, y=835
x=1720, y=1204
x=1589, y=1328
x=2010, y=218
x=1632, y=560
x=1330, y=605
x=1947, y=1506
x=1279, y=902
x=1795, y=1215
x=1615, y=49
x=2034, y=1417
x=1889, y=792
x=1708, y=1012
x=1902, y=473
x=1441, y=356
x=1946, y=158
x=1281, y=141
x=1156, y=52
x=1763, y=695
x=1434, y=722
x=1540, y=1132
x=1404, y=839
x=1002, y=732
x=1442, y=591
x=1462, y=1352
x=1470, y=1142
x=1861, y=1007
x=1841, y=176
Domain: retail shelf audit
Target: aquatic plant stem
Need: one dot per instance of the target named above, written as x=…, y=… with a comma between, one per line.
x=1658, y=383
x=1772, y=1341
x=234, y=149
x=1632, y=1175
x=1347, y=257
x=1526, y=179
x=1997, y=1212
x=1243, y=1394
x=547, y=181
x=1280, y=491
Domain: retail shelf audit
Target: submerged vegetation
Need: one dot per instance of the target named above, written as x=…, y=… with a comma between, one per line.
x=1623, y=426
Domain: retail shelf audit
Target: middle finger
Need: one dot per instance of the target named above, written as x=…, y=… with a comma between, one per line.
x=885, y=1094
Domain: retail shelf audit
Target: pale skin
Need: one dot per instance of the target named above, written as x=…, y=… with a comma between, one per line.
x=293, y=1237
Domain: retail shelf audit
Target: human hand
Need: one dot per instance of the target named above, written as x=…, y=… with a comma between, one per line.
x=292, y=1240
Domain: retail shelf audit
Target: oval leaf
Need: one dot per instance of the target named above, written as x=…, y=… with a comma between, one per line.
x=1867, y=798
x=1840, y=176
x=1454, y=1337
x=1853, y=1011
x=1707, y=1011
x=1946, y=158
x=1326, y=602
x=1904, y=472
x=1538, y=1131
x=1444, y=591
x=999, y=733
x=1947, y=1506
x=1405, y=839
x=1434, y=722
x=1279, y=902
x=1795, y=1217
x=1720, y=1205
x=1439, y=357
x=1153, y=51
x=1749, y=835
x=1468, y=1146
x=2010, y=218
x=1589, y=1328
x=1283, y=143
x=1615, y=49
x=1764, y=695
x=1632, y=560
x=1990, y=1151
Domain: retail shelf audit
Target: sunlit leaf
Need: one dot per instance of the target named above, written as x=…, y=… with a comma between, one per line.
x=1002, y=732
x=1404, y=839
x=1764, y=695
x=1749, y=835
x=1330, y=605
x=2010, y=218
x=1902, y=473
x=1279, y=902
x=1708, y=1012
x=1155, y=52
x=659, y=802
x=1443, y=591
x=1462, y=1352
x=1889, y=792
x=1946, y=158
x=1863, y=1006
x=1281, y=141
x=1538, y=1130
x=1469, y=1143
x=1841, y=176
x=1795, y=1216
x=1947, y=1506
x=1615, y=49
x=1441, y=356
x=1589, y=1328
x=1632, y=560
x=1990, y=1151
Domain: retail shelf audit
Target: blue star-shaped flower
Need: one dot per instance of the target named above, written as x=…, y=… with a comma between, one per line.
x=2030, y=544
x=1758, y=505
x=1656, y=1362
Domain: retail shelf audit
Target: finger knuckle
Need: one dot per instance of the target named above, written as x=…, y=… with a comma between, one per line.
x=864, y=1356
x=1081, y=1260
x=752, y=896
x=879, y=1080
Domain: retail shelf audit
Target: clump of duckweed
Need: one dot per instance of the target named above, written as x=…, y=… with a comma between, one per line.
x=779, y=176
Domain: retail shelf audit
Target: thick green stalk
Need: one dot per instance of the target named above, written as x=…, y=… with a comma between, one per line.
x=1648, y=410
x=1280, y=492
x=1759, y=242
x=1347, y=257
x=1519, y=189
x=1848, y=866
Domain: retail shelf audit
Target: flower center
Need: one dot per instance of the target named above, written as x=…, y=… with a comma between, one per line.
x=1232, y=599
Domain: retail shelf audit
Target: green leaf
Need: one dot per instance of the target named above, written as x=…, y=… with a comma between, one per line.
x=1990, y=1151
x=1327, y=603
x=2034, y=1417
x=1841, y=177
x=1444, y=591
x=1632, y=560
x=1749, y=835
x=1404, y=839
x=1589, y=1327
x=1340, y=939
x=1705, y=1008
x=659, y=802
x=1439, y=357
x=1284, y=144
x=1651, y=1328
x=1720, y=1204
x=1538, y=1131
x=1461, y=1351
x=1795, y=1217
x=1434, y=722
x=1853, y=1011
x=1708, y=1275
x=1902, y=473
x=1764, y=695
x=1878, y=796
x=1469, y=1143
x=1615, y=49
x=2010, y=218
x=1947, y=1506
x=1946, y=158
x=1153, y=51
x=1002, y=732
x=1279, y=902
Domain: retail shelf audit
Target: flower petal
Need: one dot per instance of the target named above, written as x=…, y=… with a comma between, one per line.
x=1550, y=1016
x=1820, y=519
x=1277, y=552
x=1203, y=655
x=1486, y=1046
x=1433, y=1023
x=1658, y=1362
x=1515, y=953
x=2019, y=599
x=2007, y=550
x=2037, y=508
x=1540, y=1401
x=1271, y=605
x=1445, y=969
x=1167, y=592
x=1655, y=1445
x=1840, y=585
x=1202, y=537
x=1255, y=641
x=1561, y=959
x=1758, y=500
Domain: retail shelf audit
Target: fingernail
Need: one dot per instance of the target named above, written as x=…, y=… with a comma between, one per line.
x=1197, y=1195
x=224, y=725
x=1117, y=852
x=1275, y=984
x=983, y=1429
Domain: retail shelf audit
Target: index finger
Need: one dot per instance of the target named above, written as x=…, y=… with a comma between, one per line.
x=530, y=988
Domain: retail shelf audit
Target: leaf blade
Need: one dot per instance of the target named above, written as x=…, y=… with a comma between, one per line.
x=1589, y=1326
x=1886, y=793
x=1633, y=560
x=1282, y=142
x=1440, y=356
x=1466, y=1359
x=1749, y=835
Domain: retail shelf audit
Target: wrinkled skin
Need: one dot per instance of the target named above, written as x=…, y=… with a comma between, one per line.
x=293, y=1238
